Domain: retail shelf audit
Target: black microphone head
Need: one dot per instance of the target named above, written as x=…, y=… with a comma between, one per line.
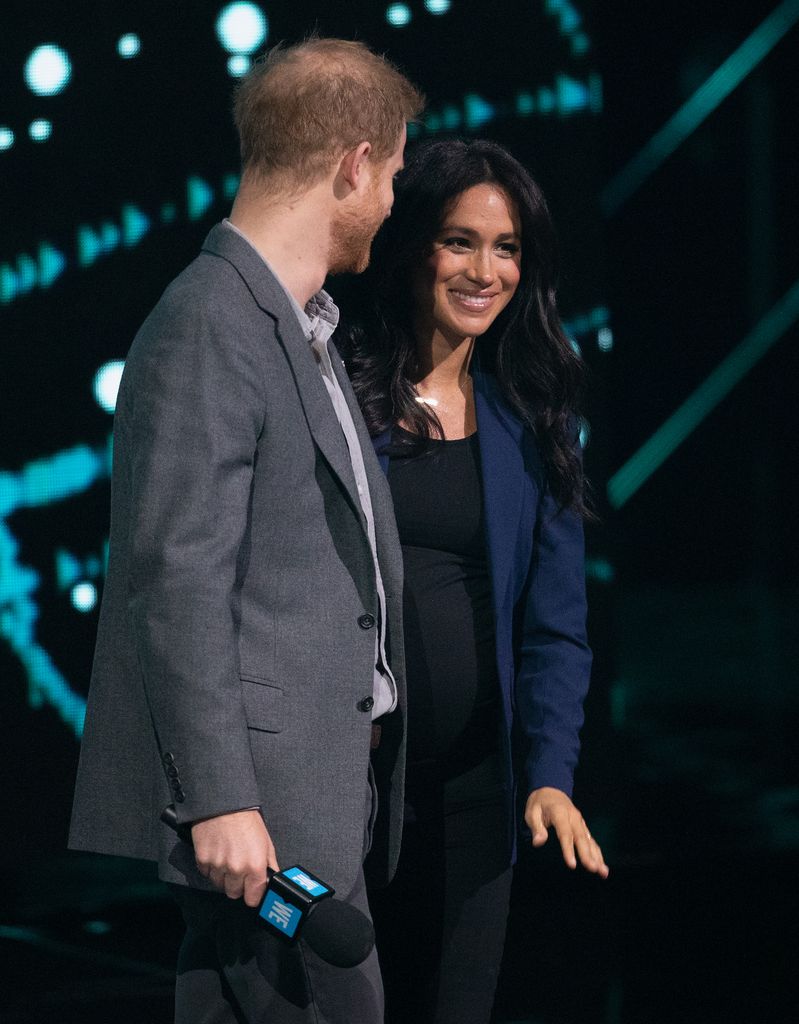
x=339, y=933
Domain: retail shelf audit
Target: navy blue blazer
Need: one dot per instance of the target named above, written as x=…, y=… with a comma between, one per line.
x=536, y=559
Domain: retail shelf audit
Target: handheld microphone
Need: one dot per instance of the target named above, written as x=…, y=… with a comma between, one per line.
x=297, y=905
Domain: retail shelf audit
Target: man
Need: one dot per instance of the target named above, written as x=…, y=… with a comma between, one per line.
x=254, y=583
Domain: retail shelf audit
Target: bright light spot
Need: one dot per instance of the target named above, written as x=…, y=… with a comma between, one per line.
x=47, y=70
x=398, y=15
x=242, y=27
x=106, y=384
x=6, y=138
x=84, y=596
x=437, y=6
x=585, y=434
x=129, y=45
x=40, y=130
x=238, y=65
x=604, y=339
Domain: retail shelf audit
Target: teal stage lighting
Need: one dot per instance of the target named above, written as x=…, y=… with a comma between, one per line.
x=398, y=15
x=129, y=45
x=242, y=27
x=48, y=70
x=40, y=130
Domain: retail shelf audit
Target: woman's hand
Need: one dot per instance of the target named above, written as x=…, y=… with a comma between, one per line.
x=551, y=808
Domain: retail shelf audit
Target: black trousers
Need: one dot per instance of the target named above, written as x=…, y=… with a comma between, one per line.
x=231, y=970
x=441, y=923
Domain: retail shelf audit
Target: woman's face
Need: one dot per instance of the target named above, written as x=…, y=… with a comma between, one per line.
x=474, y=267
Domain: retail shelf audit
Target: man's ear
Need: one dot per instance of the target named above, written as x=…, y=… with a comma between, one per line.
x=353, y=166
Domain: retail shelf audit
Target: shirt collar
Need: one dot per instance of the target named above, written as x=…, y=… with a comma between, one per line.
x=321, y=315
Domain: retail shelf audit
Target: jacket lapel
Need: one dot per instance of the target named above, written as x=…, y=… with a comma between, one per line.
x=500, y=436
x=270, y=296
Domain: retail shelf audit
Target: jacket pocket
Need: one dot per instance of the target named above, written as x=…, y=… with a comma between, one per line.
x=263, y=704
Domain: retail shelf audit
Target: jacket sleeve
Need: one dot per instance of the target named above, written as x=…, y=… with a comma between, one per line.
x=554, y=660
x=188, y=424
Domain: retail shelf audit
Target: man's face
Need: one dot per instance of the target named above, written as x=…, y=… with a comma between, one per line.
x=358, y=222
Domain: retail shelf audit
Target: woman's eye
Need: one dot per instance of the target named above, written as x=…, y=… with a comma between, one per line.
x=457, y=243
x=508, y=249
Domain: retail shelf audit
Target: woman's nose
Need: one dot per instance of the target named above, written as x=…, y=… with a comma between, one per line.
x=482, y=268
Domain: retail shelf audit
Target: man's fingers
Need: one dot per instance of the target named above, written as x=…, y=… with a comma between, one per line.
x=254, y=889
x=233, y=885
x=216, y=876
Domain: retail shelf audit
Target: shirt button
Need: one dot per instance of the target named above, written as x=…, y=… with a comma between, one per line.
x=366, y=621
x=366, y=704
x=168, y=758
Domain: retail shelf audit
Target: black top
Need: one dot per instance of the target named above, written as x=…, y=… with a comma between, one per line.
x=453, y=690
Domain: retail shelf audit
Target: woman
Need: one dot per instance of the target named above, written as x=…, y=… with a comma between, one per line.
x=469, y=388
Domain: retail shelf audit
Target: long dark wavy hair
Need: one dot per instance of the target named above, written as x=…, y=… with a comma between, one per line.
x=538, y=371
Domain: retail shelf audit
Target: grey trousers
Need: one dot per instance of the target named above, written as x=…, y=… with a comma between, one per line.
x=231, y=970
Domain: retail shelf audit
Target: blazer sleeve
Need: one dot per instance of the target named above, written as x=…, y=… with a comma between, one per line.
x=188, y=427
x=554, y=658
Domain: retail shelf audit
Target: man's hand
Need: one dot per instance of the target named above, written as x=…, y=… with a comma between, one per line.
x=550, y=808
x=234, y=851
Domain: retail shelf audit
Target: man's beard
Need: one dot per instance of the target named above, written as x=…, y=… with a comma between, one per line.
x=351, y=235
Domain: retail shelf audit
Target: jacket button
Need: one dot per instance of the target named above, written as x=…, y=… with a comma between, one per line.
x=180, y=796
x=366, y=621
x=172, y=771
x=168, y=758
x=366, y=704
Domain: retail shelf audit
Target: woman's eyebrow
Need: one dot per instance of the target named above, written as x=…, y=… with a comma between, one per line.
x=450, y=229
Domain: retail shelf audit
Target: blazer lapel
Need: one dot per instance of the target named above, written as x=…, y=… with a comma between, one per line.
x=500, y=436
x=271, y=297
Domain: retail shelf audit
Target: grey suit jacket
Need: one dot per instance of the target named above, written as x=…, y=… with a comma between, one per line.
x=231, y=669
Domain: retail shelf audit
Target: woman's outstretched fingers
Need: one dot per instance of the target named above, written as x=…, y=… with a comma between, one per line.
x=565, y=831
x=535, y=822
x=590, y=855
x=548, y=807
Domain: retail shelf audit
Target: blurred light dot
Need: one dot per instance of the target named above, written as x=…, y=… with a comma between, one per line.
x=47, y=70
x=585, y=434
x=6, y=138
x=604, y=339
x=40, y=130
x=97, y=927
x=398, y=15
x=84, y=596
x=242, y=27
x=437, y=6
x=106, y=384
x=238, y=65
x=129, y=45
x=580, y=44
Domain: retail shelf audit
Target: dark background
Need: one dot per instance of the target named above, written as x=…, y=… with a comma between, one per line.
x=689, y=771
